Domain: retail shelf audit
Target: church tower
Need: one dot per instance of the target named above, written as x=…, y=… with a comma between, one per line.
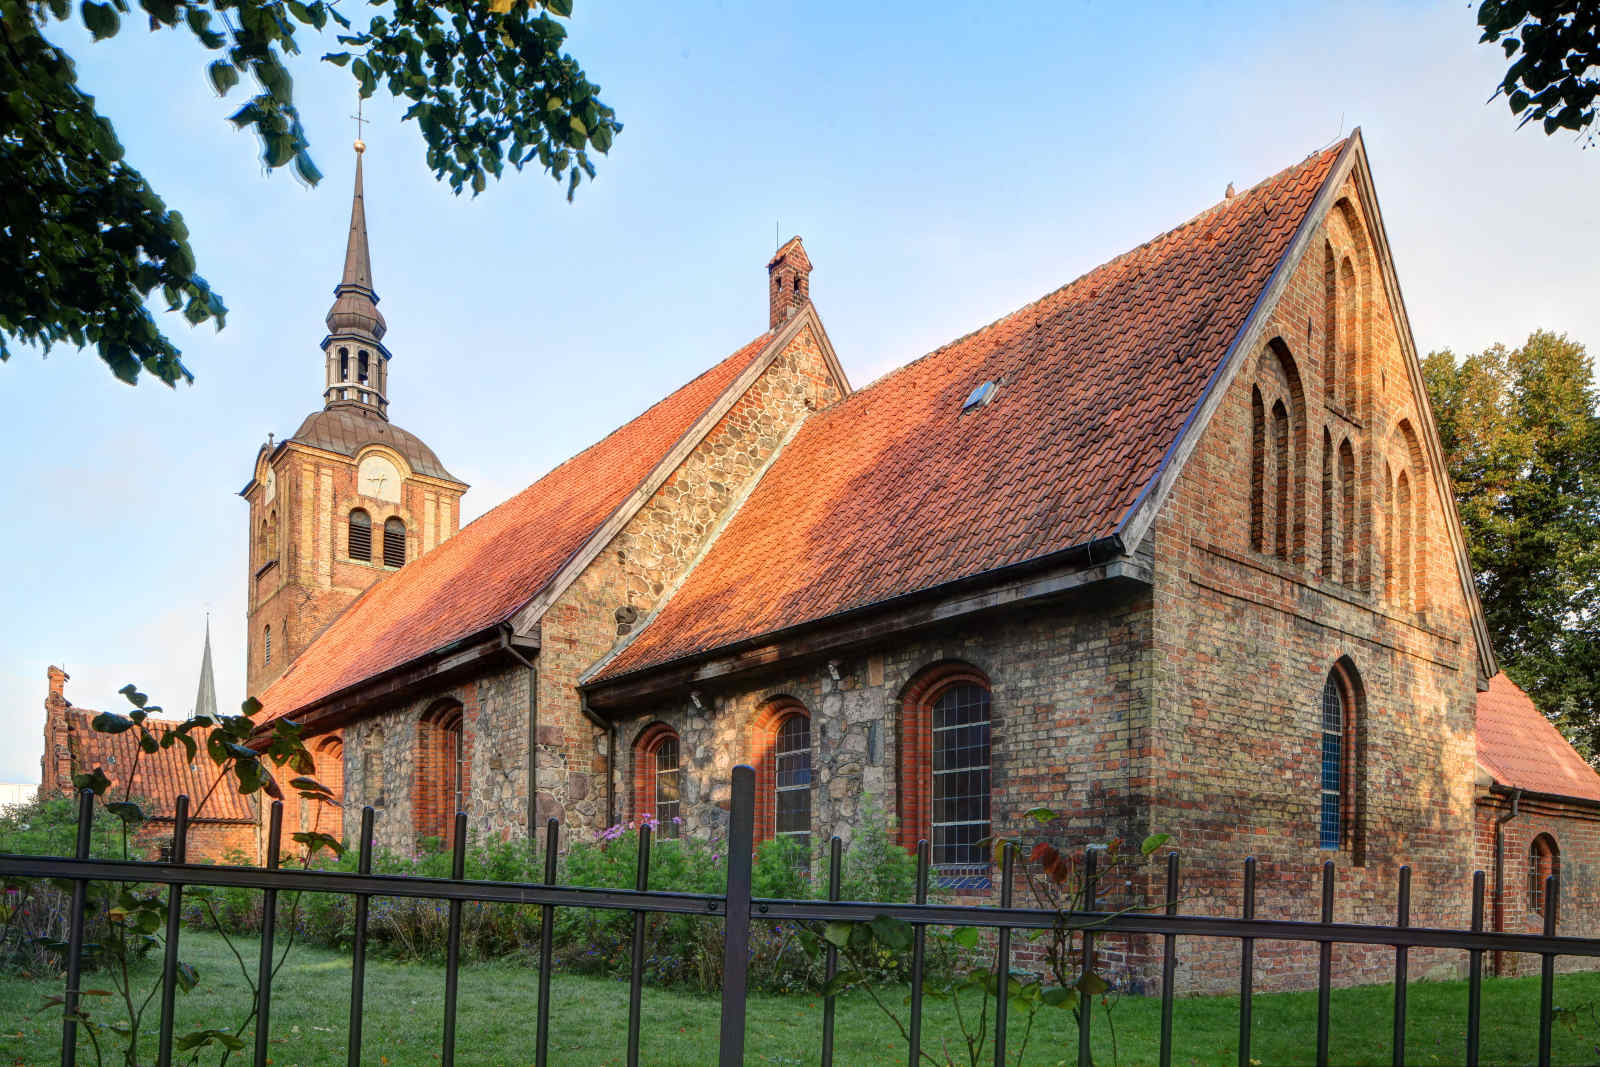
x=350, y=496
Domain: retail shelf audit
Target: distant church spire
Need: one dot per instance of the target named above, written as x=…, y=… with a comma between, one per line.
x=357, y=363
x=205, y=697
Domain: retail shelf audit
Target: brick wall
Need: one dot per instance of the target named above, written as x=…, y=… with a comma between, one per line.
x=1575, y=829
x=311, y=578
x=1246, y=634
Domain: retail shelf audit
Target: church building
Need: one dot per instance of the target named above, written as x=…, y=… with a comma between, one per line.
x=1170, y=549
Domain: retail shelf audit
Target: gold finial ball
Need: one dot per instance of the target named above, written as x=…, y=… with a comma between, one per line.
x=360, y=146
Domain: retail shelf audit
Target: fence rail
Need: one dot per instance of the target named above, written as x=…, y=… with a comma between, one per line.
x=738, y=909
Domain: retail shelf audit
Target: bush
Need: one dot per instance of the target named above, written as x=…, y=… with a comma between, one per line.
x=33, y=911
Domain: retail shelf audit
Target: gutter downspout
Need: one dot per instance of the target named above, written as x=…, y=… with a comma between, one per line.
x=533, y=733
x=1500, y=873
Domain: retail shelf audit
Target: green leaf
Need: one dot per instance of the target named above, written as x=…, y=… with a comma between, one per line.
x=109, y=722
x=315, y=841
x=224, y=76
x=1153, y=842
x=837, y=934
x=338, y=59
x=136, y=698
x=1041, y=814
x=1092, y=984
x=101, y=19
x=127, y=811
x=249, y=707
x=891, y=932
x=965, y=936
x=95, y=780
x=562, y=8
x=1060, y=997
x=840, y=982
x=188, y=977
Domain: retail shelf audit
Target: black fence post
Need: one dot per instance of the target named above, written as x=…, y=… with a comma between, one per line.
x=358, y=945
x=919, y=949
x=1169, y=962
x=169, y=962
x=547, y=924
x=80, y=890
x=641, y=882
x=1325, y=968
x=1401, y=968
x=1475, y=973
x=452, y=948
x=830, y=966
x=1547, y=968
x=736, y=940
x=1247, y=965
x=1085, y=998
x=269, y=928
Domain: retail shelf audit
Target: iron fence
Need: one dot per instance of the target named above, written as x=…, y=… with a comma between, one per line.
x=738, y=909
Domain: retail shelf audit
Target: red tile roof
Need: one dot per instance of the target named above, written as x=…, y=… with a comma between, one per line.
x=497, y=563
x=158, y=779
x=1524, y=750
x=895, y=490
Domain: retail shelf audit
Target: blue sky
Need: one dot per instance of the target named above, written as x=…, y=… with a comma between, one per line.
x=945, y=164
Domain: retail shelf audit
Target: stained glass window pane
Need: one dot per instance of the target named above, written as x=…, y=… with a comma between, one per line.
x=960, y=809
x=667, y=806
x=1331, y=832
x=792, y=759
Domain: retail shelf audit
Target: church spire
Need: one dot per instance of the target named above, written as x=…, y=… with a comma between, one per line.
x=205, y=697
x=356, y=361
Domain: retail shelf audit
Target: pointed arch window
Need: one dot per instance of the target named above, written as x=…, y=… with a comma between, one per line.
x=1281, y=462
x=1341, y=810
x=1349, y=331
x=360, y=538
x=394, y=542
x=1258, y=471
x=1330, y=320
x=344, y=365
x=1544, y=861
x=266, y=644
x=1349, y=555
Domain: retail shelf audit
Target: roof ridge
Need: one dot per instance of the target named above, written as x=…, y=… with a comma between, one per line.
x=1114, y=260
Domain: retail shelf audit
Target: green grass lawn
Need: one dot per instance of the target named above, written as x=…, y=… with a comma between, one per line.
x=589, y=1020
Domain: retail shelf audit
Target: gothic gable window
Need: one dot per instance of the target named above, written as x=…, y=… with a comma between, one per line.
x=360, y=540
x=1341, y=808
x=657, y=779
x=394, y=542
x=1544, y=860
x=1276, y=446
x=945, y=771
x=781, y=755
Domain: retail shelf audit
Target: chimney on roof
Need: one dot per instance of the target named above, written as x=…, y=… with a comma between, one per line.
x=788, y=282
x=58, y=685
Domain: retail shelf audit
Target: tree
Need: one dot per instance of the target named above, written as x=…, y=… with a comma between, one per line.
x=1521, y=434
x=85, y=242
x=1554, y=48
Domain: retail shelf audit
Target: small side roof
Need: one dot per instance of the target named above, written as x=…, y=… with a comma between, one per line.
x=1523, y=750
x=496, y=564
x=158, y=778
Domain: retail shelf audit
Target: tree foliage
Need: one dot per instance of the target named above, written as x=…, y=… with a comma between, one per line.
x=1521, y=435
x=1554, y=48
x=90, y=243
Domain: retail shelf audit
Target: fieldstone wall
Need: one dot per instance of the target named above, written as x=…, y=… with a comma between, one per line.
x=652, y=552
x=1070, y=689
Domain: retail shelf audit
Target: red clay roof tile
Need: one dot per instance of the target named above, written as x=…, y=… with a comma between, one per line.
x=895, y=490
x=497, y=563
x=1524, y=750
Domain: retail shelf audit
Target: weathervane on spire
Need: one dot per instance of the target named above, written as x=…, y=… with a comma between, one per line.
x=360, y=145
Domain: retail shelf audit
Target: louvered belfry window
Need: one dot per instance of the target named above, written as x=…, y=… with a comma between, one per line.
x=394, y=543
x=360, y=535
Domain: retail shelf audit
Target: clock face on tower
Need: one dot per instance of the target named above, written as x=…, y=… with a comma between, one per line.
x=378, y=477
x=271, y=491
